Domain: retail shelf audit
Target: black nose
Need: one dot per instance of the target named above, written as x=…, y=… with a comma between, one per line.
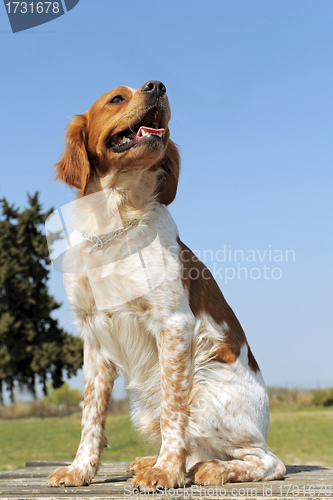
x=154, y=87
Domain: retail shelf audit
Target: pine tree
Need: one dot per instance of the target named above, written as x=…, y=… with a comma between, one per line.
x=33, y=346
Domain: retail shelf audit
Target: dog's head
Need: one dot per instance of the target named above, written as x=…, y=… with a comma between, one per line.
x=124, y=130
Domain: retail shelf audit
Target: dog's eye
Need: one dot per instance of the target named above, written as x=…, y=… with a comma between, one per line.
x=117, y=99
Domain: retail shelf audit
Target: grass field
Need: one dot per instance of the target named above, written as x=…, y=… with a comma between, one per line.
x=296, y=436
x=302, y=436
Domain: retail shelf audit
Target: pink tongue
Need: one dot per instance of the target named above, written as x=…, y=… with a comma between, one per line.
x=150, y=131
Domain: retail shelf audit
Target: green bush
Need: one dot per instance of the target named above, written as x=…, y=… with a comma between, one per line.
x=64, y=396
x=281, y=397
x=322, y=397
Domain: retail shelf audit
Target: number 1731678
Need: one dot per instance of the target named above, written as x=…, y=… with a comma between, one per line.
x=33, y=7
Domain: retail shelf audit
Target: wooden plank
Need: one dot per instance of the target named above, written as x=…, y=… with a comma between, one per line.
x=113, y=482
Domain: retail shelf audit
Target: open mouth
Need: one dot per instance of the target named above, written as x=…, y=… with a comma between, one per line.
x=148, y=126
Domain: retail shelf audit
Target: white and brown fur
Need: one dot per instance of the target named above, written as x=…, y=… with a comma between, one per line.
x=194, y=384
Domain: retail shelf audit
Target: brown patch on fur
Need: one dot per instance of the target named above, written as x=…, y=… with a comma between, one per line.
x=143, y=304
x=168, y=182
x=225, y=355
x=252, y=360
x=205, y=297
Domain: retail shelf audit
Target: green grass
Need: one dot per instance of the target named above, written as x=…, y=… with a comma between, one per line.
x=58, y=439
x=296, y=436
x=302, y=436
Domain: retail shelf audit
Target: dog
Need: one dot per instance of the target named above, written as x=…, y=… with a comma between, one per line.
x=193, y=382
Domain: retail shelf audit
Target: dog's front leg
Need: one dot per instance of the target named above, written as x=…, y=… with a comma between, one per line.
x=99, y=376
x=175, y=358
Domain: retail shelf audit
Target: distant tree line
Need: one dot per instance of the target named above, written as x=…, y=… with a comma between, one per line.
x=33, y=347
x=57, y=403
x=282, y=397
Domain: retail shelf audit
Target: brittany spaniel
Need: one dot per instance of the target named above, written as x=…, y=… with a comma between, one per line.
x=144, y=304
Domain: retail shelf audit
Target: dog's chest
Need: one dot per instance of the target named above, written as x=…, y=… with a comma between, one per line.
x=128, y=269
x=127, y=294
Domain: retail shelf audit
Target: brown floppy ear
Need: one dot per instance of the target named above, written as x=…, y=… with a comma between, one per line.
x=74, y=167
x=170, y=165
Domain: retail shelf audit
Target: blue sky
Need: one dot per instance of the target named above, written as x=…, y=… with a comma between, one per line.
x=250, y=86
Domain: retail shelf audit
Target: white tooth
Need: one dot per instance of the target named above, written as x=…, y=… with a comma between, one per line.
x=124, y=140
x=143, y=132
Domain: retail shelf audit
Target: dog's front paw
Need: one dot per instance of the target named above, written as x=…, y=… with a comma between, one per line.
x=141, y=464
x=152, y=478
x=70, y=476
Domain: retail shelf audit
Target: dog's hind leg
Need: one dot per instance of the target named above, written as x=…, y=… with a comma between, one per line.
x=246, y=465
